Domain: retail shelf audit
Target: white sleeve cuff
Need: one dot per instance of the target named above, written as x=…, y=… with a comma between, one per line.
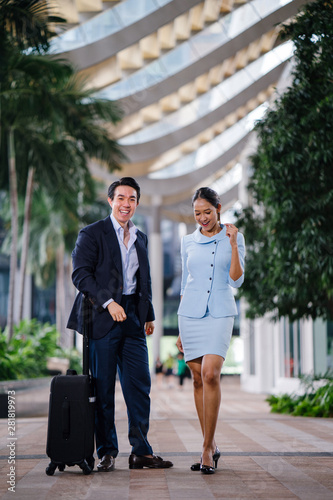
x=105, y=305
x=237, y=283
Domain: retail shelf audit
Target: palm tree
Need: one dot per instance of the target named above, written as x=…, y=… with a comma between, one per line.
x=58, y=126
x=66, y=126
x=23, y=24
x=53, y=232
x=27, y=24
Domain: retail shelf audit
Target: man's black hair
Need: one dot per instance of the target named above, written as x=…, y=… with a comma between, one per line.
x=124, y=181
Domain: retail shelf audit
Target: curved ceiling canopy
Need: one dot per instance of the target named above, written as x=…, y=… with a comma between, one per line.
x=191, y=76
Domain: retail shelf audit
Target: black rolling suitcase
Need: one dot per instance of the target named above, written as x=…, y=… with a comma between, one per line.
x=70, y=435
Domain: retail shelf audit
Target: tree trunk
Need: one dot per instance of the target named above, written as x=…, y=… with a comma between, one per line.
x=25, y=238
x=60, y=289
x=14, y=231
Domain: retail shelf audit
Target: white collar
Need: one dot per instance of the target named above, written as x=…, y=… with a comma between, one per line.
x=201, y=238
x=131, y=226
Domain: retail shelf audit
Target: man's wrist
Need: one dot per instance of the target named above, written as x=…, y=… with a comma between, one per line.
x=105, y=305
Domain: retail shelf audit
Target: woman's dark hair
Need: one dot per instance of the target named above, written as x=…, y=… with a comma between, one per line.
x=207, y=194
x=124, y=181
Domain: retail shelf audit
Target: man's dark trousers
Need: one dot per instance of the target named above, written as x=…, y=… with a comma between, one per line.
x=125, y=346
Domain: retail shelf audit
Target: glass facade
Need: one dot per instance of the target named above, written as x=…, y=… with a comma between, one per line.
x=292, y=366
x=43, y=306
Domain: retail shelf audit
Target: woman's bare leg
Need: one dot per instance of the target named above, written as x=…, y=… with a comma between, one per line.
x=210, y=373
x=195, y=367
x=206, y=373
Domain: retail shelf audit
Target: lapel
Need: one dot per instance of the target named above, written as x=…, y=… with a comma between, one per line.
x=141, y=251
x=113, y=244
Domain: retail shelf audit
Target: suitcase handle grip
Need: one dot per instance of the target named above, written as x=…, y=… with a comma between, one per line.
x=87, y=318
x=65, y=418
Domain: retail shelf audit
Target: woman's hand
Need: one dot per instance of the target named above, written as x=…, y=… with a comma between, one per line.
x=232, y=231
x=179, y=344
x=236, y=270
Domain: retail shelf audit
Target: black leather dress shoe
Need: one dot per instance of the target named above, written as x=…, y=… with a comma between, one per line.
x=196, y=466
x=139, y=462
x=106, y=464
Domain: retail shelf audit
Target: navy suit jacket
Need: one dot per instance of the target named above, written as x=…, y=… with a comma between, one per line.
x=97, y=274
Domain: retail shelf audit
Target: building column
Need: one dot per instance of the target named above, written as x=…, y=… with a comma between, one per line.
x=156, y=268
x=319, y=346
x=307, y=346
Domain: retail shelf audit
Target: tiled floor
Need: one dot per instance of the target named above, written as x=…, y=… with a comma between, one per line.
x=264, y=456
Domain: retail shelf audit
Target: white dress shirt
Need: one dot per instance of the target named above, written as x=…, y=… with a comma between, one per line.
x=129, y=257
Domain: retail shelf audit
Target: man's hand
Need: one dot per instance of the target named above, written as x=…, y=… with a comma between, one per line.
x=117, y=312
x=149, y=327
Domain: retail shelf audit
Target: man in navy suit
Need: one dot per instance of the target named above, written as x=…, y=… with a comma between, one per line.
x=111, y=269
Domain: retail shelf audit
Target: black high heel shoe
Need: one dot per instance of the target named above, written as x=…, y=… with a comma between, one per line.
x=208, y=469
x=216, y=456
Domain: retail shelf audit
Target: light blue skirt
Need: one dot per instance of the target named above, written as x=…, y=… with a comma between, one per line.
x=205, y=335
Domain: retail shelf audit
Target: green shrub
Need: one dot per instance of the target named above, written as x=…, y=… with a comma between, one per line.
x=281, y=404
x=315, y=402
x=26, y=354
x=7, y=371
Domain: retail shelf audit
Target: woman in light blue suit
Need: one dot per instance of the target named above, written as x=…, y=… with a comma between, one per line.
x=212, y=263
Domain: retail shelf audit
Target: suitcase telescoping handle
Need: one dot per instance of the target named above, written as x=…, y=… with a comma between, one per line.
x=87, y=318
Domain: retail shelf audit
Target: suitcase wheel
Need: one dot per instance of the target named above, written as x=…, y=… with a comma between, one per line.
x=50, y=468
x=91, y=462
x=86, y=469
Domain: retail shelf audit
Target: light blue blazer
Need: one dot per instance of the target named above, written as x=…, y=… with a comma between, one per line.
x=206, y=284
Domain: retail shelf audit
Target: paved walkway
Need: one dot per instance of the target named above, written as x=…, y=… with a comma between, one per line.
x=264, y=456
